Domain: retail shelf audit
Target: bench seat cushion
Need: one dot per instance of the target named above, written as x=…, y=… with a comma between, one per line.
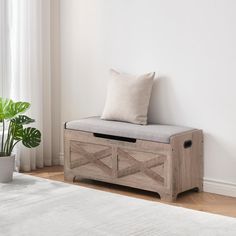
x=150, y=132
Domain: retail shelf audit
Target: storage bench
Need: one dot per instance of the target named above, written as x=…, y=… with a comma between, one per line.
x=161, y=158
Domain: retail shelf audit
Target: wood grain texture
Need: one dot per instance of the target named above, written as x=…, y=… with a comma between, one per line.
x=135, y=164
x=202, y=201
x=140, y=166
x=187, y=162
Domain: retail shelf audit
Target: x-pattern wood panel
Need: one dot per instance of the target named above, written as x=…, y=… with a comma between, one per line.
x=181, y=169
x=141, y=166
x=87, y=157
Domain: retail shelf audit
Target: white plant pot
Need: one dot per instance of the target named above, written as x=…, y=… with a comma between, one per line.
x=7, y=165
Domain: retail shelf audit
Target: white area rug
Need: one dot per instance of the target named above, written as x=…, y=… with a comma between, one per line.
x=32, y=206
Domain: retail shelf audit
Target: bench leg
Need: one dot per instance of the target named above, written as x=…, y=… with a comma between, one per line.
x=200, y=188
x=166, y=197
x=69, y=177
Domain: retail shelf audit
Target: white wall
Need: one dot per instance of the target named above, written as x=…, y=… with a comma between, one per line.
x=191, y=44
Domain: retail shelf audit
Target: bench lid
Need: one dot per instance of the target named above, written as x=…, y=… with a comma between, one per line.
x=151, y=132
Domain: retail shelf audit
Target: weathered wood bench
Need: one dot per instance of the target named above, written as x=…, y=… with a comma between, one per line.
x=161, y=158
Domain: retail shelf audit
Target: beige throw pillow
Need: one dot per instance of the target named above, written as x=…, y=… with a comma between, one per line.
x=128, y=97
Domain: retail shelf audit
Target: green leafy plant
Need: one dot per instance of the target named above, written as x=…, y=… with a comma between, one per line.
x=12, y=124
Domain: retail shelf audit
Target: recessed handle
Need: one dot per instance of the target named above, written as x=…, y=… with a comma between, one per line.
x=188, y=144
x=113, y=137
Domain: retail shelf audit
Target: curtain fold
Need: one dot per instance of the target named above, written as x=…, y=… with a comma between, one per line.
x=30, y=75
x=4, y=48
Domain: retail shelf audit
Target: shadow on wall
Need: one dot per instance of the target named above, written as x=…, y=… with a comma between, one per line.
x=163, y=102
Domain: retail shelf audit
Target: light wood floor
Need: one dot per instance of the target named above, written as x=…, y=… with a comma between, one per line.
x=199, y=201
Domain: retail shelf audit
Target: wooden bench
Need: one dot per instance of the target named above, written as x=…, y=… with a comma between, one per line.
x=160, y=158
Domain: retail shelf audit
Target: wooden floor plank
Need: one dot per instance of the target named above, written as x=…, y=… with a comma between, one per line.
x=207, y=202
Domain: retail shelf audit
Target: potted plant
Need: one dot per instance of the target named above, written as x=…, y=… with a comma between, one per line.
x=12, y=131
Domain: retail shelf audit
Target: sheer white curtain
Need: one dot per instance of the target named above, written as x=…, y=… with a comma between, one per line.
x=4, y=49
x=30, y=77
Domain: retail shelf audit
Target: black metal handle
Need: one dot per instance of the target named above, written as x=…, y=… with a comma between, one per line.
x=113, y=137
x=188, y=144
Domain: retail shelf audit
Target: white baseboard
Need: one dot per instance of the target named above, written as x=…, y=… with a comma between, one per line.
x=219, y=187
x=209, y=185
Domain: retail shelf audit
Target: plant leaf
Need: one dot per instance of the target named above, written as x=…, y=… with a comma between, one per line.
x=17, y=131
x=9, y=109
x=18, y=108
x=22, y=120
x=31, y=137
x=5, y=107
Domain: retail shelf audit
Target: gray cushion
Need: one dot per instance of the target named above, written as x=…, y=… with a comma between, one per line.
x=151, y=132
